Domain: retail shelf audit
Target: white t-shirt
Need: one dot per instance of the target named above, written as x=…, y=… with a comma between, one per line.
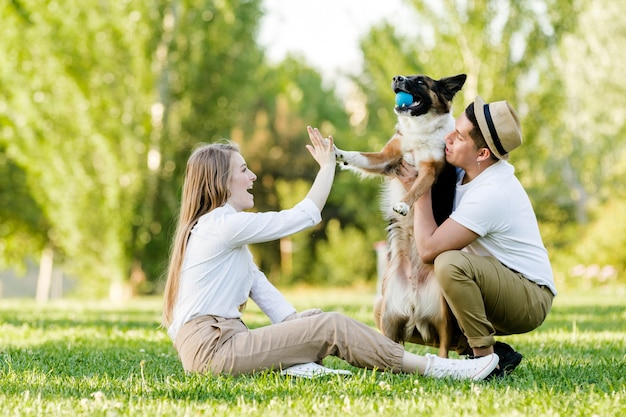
x=496, y=207
x=219, y=274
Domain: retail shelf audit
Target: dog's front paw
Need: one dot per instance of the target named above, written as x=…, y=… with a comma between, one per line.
x=340, y=157
x=401, y=208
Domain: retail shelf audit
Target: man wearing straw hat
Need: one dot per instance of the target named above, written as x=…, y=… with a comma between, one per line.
x=489, y=256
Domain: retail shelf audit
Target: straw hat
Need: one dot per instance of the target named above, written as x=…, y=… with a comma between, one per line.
x=499, y=125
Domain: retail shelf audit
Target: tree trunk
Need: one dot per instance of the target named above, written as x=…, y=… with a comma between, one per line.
x=44, y=279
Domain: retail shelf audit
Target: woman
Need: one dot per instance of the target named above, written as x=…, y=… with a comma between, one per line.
x=489, y=256
x=212, y=274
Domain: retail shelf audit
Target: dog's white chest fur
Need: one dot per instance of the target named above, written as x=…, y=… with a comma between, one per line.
x=424, y=140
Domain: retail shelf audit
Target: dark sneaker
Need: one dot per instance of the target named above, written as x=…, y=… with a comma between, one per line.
x=509, y=357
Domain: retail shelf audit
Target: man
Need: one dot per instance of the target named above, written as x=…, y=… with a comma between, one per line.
x=488, y=255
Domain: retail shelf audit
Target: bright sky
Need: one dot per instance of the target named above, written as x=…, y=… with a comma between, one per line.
x=325, y=32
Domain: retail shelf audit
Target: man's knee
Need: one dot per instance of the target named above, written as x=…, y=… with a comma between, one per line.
x=447, y=265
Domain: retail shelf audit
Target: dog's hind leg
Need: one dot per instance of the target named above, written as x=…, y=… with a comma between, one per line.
x=445, y=328
x=379, y=305
x=391, y=311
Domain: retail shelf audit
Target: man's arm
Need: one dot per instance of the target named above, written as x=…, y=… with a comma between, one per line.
x=432, y=240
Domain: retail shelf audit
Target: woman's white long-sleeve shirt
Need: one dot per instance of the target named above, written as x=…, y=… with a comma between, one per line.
x=219, y=274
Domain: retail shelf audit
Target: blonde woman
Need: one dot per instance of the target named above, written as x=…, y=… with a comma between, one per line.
x=212, y=274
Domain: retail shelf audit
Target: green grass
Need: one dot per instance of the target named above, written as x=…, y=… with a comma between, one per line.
x=88, y=358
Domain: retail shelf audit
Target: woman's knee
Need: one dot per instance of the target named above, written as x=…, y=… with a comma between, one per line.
x=333, y=324
x=332, y=318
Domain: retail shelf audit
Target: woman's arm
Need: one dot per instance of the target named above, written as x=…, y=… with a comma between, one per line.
x=248, y=228
x=271, y=301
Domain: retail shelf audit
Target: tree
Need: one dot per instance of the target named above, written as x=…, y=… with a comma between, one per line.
x=65, y=92
x=127, y=91
x=103, y=103
x=207, y=63
x=24, y=226
x=588, y=161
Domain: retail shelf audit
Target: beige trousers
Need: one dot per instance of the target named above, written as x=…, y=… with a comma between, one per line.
x=217, y=345
x=488, y=299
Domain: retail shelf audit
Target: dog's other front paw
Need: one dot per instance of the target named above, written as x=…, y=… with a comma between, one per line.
x=401, y=208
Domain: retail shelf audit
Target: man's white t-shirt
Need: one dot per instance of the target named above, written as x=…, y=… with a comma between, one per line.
x=219, y=274
x=496, y=207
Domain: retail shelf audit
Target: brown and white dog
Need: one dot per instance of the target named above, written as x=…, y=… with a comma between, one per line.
x=411, y=298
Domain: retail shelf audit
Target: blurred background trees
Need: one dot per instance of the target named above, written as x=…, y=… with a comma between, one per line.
x=101, y=103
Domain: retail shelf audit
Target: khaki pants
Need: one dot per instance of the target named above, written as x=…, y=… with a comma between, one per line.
x=488, y=299
x=218, y=345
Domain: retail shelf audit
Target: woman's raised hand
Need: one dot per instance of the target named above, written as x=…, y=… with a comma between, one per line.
x=322, y=149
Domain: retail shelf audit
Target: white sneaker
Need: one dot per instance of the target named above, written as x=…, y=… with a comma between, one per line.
x=474, y=369
x=312, y=370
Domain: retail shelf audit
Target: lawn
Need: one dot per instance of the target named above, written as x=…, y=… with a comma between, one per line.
x=80, y=358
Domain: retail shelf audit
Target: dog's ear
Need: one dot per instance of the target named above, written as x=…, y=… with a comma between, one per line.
x=449, y=86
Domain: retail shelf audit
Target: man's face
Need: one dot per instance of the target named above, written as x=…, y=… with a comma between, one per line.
x=460, y=148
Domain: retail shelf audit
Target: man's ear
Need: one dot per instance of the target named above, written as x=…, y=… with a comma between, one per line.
x=483, y=154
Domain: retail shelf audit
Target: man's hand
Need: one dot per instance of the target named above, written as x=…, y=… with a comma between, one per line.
x=407, y=174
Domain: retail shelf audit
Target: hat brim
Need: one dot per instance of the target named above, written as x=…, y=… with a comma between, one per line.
x=479, y=111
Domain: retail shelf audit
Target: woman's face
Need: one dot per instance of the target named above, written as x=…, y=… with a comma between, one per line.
x=241, y=181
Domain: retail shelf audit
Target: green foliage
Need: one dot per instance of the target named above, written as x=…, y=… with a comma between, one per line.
x=346, y=257
x=23, y=225
x=327, y=254
x=296, y=252
x=290, y=97
x=556, y=65
x=102, y=103
x=201, y=51
x=597, y=256
x=68, y=115
x=139, y=86
x=579, y=187
x=93, y=359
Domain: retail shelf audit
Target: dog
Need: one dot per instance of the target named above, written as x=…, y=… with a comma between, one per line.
x=411, y=299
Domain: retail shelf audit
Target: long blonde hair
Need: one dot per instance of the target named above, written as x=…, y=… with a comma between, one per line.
x=204, y=189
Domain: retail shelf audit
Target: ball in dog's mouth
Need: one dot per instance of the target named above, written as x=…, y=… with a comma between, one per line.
x=403, y=99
